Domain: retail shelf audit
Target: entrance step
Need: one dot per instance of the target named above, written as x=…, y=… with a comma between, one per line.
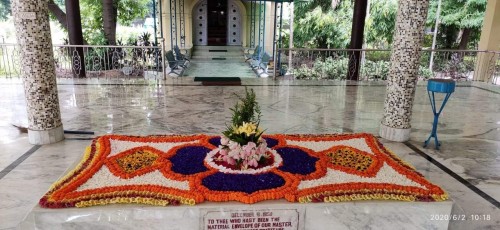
x=217, y=52
x=217, y=56
x=218, y=59
x=233, y=48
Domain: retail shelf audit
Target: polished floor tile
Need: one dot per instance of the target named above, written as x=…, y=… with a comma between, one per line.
x=469, y=129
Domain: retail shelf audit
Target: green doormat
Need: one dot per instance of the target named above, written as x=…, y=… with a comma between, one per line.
x=217, y=79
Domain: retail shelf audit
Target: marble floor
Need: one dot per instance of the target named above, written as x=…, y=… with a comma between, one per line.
x=469, y=128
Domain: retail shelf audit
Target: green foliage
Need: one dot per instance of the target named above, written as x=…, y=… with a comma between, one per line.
x=329, y=68
x=378, y=55
x=4, y=9
x=317, y=25
x=305, y=72
x=381, y=23
x=91, y=11
x=336, y=69
x=424, y=72
x=145, y=39
x=455, y=16
x=128, y=10
x=247, y=110
x=332, y=68
x=460, y=13
x=376, y=69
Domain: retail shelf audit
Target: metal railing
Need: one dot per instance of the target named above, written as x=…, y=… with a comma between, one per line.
x=107, y=61
x=375, y=64
x=10, y=60
x=147, y=62
x=92, y=61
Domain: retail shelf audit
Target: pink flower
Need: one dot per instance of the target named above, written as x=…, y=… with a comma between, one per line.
x=262, y=147
x=234, y=153
x=253, y=163
x=249, y=146
x=224, y=140
x=248, y=150
x=223, y=151
x=242, y=154
x=233, y=145
x=245, y=156
x=229, y=160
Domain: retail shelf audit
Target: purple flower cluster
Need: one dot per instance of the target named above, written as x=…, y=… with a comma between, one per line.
x=271, y=142
x=296, y=161
x=189, y=160
x=215, y=141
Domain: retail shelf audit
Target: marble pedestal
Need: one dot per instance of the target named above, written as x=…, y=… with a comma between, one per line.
x=278, y=214
x=43, y=137
x=394, y=134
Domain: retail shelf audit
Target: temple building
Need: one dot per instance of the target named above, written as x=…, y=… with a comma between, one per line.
x=189, y=23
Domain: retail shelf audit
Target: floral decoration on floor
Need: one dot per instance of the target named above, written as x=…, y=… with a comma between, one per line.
x=241, y=165
x=171, y=170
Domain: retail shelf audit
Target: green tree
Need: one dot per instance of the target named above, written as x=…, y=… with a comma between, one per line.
x=94, y=15
x=381, y=23
x=461, y=21
x=105, y=14
x=4, y=9
x=319, y=25
x=327, y=23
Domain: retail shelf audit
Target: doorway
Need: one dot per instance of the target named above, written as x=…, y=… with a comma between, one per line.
x=217, y=22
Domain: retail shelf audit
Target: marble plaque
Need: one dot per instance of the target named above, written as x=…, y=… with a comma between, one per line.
x=256, y=219
x=280, y=214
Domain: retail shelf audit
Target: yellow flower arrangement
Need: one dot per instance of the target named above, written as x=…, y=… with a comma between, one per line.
x=247, y=128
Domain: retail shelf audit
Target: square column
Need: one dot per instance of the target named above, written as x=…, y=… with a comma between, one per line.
x=490, y=40
x=31, y=19
x=402, y=80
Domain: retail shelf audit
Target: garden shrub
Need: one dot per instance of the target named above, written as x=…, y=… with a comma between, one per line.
x=336, y=69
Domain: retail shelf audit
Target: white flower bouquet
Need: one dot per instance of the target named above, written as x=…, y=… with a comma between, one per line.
x=241, y=145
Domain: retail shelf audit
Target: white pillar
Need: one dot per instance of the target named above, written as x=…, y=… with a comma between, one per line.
x=402, y=81
x=31, y=19
x=490, y=40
